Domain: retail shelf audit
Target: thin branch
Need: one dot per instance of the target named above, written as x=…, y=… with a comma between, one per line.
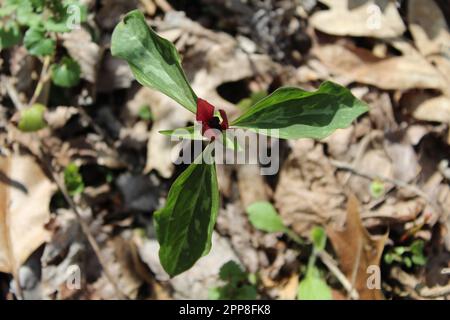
x=43, y=78
x=84, y=227
x=398, y=183
x=329, y=262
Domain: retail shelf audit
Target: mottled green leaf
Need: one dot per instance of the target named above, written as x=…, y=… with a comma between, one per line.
x=184, y=226
x=297, y=113
x=154, y=60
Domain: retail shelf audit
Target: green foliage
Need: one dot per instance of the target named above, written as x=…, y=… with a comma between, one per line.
x=376, y=189
x=40, y=18
x=184, y=133
x=313, y=286
x=38, y=43
x=145, y=113
x=246, y=103
x=32, y=118
x=66, y=73
x=407, y=256
x=154, y=60
x=73, y=179
x=318, y=238
x=10, y=34
x=297, y=113
x=263, y=216
x=238, y=284
x=184, y=226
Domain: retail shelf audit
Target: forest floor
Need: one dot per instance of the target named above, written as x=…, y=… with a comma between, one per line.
x=379, y=188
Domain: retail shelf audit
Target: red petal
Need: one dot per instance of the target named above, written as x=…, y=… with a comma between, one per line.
x=224, y=123
x=205, y=111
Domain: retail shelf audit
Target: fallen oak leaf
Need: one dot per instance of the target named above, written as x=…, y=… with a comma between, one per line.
x=358, y=251
x=25, y=194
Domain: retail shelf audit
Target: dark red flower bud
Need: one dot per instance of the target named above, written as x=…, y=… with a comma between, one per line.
x=205, y=115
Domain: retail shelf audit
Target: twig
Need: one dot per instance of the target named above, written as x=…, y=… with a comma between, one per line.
x=398, y=183
x=43, y=78
x=84, y=227
x=356, y=266
x=12, y=92
x=329, y=262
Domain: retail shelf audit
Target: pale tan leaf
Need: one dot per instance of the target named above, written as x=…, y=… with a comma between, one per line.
x=371, y=18
x=433, y=109
x=428, y=27
x=25, y=194
x=400, y=72
x=357, y=250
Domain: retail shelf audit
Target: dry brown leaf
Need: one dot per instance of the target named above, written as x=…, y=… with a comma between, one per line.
x=371, y=18
x=431, y=35
x=86, y=52
x=289, y=290
x=25, y=194
x=357, y=251
x=428, y=27
x=307, y=192
x=402, y=72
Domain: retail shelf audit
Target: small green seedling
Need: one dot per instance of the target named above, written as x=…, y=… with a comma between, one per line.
x=73, y=179
x=239, y=285
x=263, y=216
x=145, y=113
x=407, y=256
x=313, y=286
x=377, y=189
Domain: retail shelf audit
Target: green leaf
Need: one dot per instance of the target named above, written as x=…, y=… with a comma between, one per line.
x=246, y=292
x=376, y=189
x=154, y=60
x=232, y=272
x=419, y=260
x=263, y=216
x=9, y=35
x=184, y=226
x=319, y=238
x=254, y=98
x=37, y=43
x=73, y=179
x=32, y=118
x=407, y=261
x=313, y=287
x=145, y=113
x=297, y=113
x=184, y=133
x=66, y=73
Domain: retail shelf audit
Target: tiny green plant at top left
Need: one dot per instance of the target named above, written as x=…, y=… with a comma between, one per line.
x=37, y=24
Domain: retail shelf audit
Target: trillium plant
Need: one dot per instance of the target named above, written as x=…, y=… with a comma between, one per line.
x=184, y=226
